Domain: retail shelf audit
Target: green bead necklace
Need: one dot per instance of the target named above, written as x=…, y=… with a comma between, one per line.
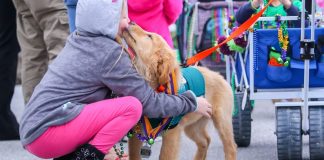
x=119, y=151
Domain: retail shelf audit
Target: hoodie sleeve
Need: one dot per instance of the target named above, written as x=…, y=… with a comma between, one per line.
x=119, y=75
x=244, y=13
x=172, y=9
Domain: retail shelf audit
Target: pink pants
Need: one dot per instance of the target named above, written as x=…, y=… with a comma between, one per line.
x=101, y=124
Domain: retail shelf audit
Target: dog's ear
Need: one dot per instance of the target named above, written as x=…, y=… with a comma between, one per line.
x=164, y=71
x=163, y=67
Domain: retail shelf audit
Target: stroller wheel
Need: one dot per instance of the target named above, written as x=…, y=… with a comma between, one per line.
x=289, y=133
x=316, y=132
x=242, y=121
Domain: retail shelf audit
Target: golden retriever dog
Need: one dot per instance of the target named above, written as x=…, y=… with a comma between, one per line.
x=155, y=60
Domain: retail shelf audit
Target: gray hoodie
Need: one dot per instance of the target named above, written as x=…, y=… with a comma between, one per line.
x=90, y=66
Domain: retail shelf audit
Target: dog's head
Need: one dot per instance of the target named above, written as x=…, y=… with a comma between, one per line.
x=154, y=58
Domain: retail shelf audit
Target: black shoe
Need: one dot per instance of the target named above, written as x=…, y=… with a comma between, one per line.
x=85, y=152
x=66, y=157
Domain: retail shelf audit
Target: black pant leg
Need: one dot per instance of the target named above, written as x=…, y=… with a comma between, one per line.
x=9, y=49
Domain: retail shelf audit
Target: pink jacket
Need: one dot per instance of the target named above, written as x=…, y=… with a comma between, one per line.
x=155, y=15
x=320, y=4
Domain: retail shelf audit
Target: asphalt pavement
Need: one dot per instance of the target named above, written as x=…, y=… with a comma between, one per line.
x=262, y=147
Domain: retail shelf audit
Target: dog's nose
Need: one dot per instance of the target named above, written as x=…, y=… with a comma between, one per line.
x=132, y=23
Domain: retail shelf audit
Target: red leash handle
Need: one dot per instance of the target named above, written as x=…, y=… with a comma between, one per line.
x=246, y=25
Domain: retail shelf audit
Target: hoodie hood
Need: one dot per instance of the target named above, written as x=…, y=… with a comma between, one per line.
x=98, y=17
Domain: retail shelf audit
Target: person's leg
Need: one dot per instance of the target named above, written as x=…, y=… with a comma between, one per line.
x=9, y=49
x=101, y=124
x=51, y=15
x=33, y=49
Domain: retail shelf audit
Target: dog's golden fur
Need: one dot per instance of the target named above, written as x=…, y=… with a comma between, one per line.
x=155, y=60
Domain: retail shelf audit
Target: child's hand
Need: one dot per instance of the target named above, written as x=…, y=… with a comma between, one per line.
x=286, y=3
x=256, y=3
x=204, y=107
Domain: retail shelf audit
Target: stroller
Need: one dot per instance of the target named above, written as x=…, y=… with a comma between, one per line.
x=199, y=25
x=256, y=77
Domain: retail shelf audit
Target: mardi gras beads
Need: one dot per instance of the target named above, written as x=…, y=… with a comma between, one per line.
x=283, y=39
x=119, y=151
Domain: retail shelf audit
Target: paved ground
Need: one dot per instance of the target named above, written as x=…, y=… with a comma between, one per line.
x=263, y=143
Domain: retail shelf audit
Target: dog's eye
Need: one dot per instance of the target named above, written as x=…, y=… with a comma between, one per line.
x=150, y=36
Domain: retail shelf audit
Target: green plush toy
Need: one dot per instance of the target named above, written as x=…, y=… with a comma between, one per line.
x=276, y=60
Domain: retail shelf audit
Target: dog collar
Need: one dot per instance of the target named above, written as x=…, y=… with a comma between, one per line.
x=153, y=127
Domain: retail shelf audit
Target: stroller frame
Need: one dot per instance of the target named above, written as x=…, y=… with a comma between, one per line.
x=301, y=117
